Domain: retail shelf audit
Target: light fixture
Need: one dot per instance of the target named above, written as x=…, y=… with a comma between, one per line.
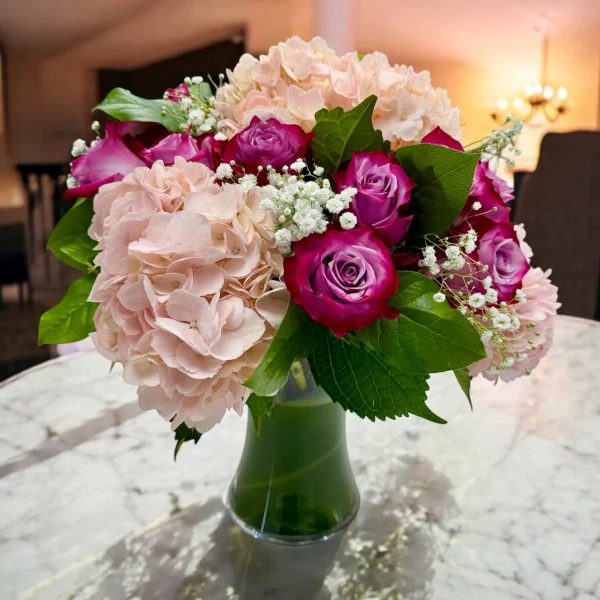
x=538, y=98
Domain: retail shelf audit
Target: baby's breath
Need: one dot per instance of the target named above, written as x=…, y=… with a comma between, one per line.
x=464, y=283
x=303, y=203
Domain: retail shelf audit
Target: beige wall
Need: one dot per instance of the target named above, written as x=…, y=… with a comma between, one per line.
x=48, y=107
x=49, y=101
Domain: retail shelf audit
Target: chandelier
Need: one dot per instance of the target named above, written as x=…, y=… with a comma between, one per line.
x=538, y=99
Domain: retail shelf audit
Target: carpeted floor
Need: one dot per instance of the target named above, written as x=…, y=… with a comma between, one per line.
x=18, y=336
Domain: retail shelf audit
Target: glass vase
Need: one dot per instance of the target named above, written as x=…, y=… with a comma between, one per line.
x=294, y=484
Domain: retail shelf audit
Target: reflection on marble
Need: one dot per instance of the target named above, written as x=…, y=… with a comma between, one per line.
x=500, y=504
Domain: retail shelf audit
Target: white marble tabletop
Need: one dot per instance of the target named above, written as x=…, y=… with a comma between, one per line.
x=499, y=504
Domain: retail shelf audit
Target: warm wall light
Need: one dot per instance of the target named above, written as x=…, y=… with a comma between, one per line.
x=537, y=98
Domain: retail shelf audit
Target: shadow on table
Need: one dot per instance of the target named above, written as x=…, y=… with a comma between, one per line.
x=199, y=553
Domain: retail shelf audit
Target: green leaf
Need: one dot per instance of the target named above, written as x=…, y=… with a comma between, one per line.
x=70, y=241
x=297, y=336
x=362, y=382
x=444, y=178
x=260, y=407
x=81, y=250
x=72, y=319
x=122, y=105
x=464, y=380
x=201, y=91
x=428, y=336
x=339, y=134
x=185, y=434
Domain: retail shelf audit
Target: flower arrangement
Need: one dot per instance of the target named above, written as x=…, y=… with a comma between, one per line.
x=313, y=207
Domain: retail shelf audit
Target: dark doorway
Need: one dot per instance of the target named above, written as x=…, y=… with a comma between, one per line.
x=152, y=80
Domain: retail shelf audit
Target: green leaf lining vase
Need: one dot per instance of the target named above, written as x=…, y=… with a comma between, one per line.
x=294, y=483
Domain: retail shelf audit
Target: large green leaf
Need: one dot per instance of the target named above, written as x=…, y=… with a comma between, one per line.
x=464, y=380
x=185, y=434
x=444, y=178
x=70, y=241
x=428, y=336
x=295, y=339
x=338, y=134
x=362, y=382
x=72, y=319
x=260, y=407
x=122, y=105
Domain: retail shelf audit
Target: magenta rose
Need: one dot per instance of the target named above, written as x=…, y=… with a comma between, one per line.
x=128, y=145
x=174, y=144
x=499, y=249
x=491, y=191
x=265, y=143
x=342, y=279
x=175, y=94
x=109, y=160
x=210, y=151
x=383, y=194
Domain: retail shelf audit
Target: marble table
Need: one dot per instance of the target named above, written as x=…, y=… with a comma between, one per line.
x=499, y=504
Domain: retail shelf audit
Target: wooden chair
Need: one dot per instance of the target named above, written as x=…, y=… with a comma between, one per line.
x=559, y=204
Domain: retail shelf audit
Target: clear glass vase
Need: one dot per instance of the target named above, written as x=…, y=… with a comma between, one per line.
x=294, y=483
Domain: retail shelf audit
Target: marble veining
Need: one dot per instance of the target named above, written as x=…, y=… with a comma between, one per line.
x=500, y=504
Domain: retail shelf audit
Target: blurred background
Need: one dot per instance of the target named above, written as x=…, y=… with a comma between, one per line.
x=537, y=59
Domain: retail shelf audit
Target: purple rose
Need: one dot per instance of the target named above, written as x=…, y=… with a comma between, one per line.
x=342, y=279
x=265, y=143
x=491, y=191
x=499, y=249
x=109, y=160
x=383, y=194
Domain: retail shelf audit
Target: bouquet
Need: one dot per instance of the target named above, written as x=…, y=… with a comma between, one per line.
x=312, y=206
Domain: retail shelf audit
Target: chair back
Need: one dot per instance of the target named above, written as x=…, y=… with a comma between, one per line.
x=559, y=204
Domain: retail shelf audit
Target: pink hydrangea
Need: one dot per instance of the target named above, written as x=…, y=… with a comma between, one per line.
x=538, y=308
x=295, y=79
x=188, y=292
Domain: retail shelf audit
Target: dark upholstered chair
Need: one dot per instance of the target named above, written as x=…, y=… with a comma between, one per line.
x=13, y=259
x=559, y=204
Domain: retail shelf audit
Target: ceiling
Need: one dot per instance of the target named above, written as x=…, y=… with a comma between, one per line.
x=128, y=33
